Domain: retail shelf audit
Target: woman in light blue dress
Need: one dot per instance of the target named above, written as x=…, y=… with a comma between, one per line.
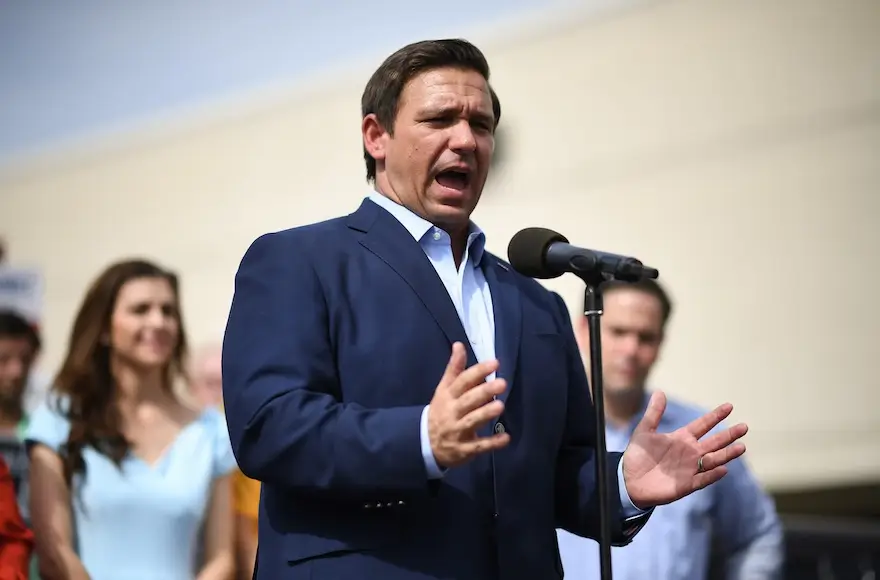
x=128, y=482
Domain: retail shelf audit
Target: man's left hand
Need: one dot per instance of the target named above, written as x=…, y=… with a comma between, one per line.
x=660, y=468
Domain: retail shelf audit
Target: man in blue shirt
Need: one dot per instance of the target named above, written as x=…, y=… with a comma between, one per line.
x=734, y=520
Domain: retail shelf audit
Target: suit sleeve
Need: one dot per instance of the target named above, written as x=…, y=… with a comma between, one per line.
x=288, y=423
x=577, y=498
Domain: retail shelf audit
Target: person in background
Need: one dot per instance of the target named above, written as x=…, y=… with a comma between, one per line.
x=206, y=386
x=19, y=348
x=734, y=517
x=16, y=539
x=118, y=461
x=206, y=381
x=246, y=494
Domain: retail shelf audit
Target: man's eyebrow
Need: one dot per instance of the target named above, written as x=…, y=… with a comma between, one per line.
x=448, y=111
x=484, y=117
x=439, y=111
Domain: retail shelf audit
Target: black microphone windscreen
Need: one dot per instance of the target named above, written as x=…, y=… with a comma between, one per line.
x=527, y=251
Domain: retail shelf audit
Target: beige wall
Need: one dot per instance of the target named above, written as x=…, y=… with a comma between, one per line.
x=731, y=144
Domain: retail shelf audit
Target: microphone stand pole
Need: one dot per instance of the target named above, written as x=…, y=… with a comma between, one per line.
x=593, y=306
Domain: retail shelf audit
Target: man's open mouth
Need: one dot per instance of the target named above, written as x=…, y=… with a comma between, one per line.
x=454, y=178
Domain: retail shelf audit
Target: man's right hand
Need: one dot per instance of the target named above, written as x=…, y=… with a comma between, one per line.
x=462, y=404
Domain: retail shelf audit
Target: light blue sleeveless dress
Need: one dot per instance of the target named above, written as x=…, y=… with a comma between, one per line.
x=142, y=522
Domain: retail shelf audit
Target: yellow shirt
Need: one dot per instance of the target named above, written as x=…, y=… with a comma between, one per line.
x=246, y=496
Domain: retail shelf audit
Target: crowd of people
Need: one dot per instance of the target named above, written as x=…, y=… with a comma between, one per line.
x=125, y=468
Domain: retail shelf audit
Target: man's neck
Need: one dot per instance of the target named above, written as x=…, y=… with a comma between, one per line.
x=620, y=408
x=10, y=415
x=459, y=243
x=458, y=235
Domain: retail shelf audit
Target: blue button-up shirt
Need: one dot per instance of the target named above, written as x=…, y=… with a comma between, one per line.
x=734, y=517
x=469, y=292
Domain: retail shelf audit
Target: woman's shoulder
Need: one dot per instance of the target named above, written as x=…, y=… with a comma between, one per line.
x=48, y=424
x=214, y=421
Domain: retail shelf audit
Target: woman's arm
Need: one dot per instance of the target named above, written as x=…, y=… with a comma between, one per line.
x=219, y=533
x=16, y=539
x=246, y=505
x=246, y=540
x=50, y=517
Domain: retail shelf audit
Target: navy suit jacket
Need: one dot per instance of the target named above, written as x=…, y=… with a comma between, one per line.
x=337, y=337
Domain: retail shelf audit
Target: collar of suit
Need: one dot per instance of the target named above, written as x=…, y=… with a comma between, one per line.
x=387, y=236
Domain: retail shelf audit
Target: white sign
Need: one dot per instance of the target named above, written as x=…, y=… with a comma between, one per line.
x=21, y=289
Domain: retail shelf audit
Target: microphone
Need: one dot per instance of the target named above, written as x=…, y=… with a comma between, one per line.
x=543, y=253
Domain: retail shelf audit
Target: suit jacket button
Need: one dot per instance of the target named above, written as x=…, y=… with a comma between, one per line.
x=499, y=427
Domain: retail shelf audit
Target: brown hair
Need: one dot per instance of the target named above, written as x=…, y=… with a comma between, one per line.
x=649, y=287
x=13, y=325
x=85, y=379
x=382, y=94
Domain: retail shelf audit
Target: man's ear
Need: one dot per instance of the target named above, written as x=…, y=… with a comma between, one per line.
x=375, y=137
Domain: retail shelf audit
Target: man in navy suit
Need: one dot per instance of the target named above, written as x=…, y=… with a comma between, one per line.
x=415, y=408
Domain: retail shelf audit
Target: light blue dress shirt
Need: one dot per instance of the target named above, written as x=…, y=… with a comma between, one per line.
x=470, y=293
x=142, y=521
x=735, y=517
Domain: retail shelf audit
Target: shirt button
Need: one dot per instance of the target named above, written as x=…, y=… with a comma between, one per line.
x=437, y=235
x=499, y=428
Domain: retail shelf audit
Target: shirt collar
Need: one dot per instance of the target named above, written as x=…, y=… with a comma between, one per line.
x=418, y=227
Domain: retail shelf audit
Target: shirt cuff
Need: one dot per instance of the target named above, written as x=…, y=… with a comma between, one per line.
x=434, y=471
x=629, y=508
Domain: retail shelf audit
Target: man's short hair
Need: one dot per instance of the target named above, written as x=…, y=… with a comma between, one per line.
x=648, y=286
x=15, y=326
x=382, y=94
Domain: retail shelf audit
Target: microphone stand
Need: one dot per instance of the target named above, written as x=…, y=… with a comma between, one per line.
x=593, y=306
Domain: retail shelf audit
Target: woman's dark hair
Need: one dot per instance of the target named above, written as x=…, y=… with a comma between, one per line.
x=85, y=383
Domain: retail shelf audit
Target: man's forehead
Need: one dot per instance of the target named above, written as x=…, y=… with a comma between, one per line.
x=447, y=87
x=632, y=299
x=631, y=307
x=15, y=343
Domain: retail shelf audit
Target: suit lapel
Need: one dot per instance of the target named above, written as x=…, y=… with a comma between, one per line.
x=393, y=244
x=507, y=310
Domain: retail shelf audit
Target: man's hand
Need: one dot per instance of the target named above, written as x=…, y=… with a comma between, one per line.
x=659, y=468
x=462, y=404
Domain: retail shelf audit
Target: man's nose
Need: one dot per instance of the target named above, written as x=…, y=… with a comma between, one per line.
x=462, y=138
x=628, y=345
x=14, y=369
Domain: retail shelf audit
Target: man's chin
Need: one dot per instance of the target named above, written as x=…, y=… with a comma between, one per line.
x=450, y=217
x=9, y=396
x=622, y=391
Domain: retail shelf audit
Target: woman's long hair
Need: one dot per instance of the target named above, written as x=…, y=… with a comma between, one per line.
x=86, y=386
